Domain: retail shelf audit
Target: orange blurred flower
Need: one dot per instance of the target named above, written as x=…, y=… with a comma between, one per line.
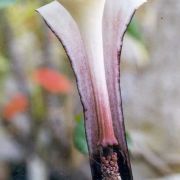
x=52, y=81
x=17, y=104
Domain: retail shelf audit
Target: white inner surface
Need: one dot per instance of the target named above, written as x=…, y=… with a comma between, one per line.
x=88, y=15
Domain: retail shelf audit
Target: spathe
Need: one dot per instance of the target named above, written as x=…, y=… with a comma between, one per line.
x=92, y=33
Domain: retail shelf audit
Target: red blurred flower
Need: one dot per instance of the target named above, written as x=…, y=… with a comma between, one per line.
x=17, y=104
x=52, y=80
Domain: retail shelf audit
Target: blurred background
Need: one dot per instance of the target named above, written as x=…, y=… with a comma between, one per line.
x=41, y=123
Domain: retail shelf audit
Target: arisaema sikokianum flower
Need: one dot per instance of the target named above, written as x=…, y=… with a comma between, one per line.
x=91, y=32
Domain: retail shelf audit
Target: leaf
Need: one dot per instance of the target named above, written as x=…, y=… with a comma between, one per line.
x=52, y=80
x=79, y=136
x=129, y=139
x=17, y=104
x=134, y=30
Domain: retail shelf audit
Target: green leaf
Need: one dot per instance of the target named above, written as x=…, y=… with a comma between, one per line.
x=129, y=140
x=134, y=30
x=79, y=135
x=6, y=3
